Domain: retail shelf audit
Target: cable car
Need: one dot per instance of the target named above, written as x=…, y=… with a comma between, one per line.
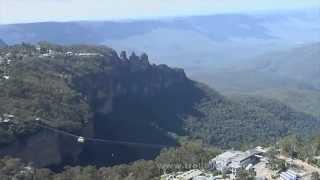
x=6, y=77
x=81, y=139
x=6, y=120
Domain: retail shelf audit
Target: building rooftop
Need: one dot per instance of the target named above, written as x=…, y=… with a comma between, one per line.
x=235, y=165
x=227, y=155
x=245, y=155
x=190, y=174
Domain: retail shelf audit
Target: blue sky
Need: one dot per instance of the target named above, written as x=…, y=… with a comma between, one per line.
x=17, y=11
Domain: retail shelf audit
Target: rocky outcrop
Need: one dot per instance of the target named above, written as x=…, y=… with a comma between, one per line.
x=117, y=91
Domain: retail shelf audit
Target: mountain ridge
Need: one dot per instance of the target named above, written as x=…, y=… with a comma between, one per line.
x=246, y=35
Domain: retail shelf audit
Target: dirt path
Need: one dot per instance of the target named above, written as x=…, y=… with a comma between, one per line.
x=308, y=168
x=263, y=171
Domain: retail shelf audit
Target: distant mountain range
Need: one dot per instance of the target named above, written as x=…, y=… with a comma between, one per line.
x=194, y=43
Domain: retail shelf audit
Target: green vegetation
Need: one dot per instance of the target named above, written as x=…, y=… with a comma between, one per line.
x=288, y=76
x=315, y=176
x=275, y=163
x=150, y=103
x=190, y=153
x=140, y=170
x=243, y=119
x=36, y=89
x=304, y=100
x=306, y=150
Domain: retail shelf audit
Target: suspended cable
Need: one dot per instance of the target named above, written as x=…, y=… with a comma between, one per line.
x=106, y=141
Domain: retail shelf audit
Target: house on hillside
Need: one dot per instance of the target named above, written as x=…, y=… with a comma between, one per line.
x=69, y=53
x=222, y=161
x=290, y=174
x=88, y=54
x=234, y=161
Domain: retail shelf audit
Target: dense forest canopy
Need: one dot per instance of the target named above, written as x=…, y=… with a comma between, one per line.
x=190, y=153
x=289, y=76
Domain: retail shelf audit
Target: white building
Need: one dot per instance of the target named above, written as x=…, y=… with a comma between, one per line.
x=88, y=54
x=189, y=175
x=6, y=118
x=194, y=174
x=222, y=161
x=288, y=175
x=235, y=160
x=292, y=174
x=69, y=53
x=51, y=53
x=6, y=77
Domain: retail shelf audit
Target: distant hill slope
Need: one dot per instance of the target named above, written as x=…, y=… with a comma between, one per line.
x=301, y=64
x=304, y=100
x=237, y=80
x=104, y=96
x=290, y=76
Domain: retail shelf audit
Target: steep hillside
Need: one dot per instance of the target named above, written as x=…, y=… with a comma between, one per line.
x=233, y=80
x=95, y=93
x=304, y=100
x=301, y=64
x=237, y=120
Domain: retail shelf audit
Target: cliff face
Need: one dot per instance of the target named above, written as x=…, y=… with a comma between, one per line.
x=135, y=78
x=99, y=95
x=131, y=101
x=90, y=91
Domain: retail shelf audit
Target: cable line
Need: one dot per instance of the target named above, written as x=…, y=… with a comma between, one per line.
x=106, y=141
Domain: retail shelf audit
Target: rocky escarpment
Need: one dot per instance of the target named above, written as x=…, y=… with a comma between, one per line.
x=92, y=91
x=128, y=106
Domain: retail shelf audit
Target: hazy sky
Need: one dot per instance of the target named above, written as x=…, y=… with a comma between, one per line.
x=14, y=11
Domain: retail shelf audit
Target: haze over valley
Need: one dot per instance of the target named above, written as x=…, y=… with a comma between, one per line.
x=192, y=42
x=273, y=54
x=148, y=98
